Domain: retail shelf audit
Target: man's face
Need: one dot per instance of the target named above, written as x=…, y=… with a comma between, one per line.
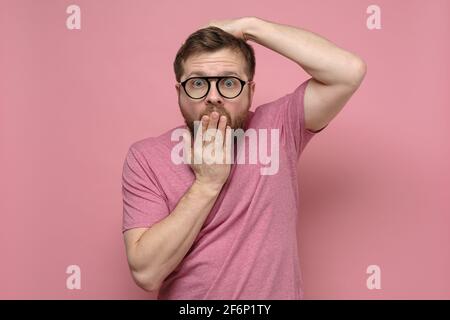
x=219, y=63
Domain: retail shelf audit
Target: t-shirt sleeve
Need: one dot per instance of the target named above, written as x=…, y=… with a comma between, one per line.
x=292, y=117
x=144, y=203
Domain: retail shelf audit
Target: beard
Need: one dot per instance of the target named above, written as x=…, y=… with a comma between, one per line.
x=237, y=123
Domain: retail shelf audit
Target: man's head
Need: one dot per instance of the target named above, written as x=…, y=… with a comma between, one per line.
x=214, y=52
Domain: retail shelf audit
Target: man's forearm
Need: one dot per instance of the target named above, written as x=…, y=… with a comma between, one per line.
x=324, y=61
x=162, y=247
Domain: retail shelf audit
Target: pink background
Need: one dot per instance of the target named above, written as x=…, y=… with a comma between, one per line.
x=375, y=183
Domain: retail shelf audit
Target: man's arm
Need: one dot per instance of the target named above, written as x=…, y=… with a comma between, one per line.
x=336, y=73
x=153, y=253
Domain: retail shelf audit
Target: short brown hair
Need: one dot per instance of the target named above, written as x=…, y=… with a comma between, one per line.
x=212, y=39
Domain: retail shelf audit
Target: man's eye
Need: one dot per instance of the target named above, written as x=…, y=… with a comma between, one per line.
x=198, y=83
x=229, y=82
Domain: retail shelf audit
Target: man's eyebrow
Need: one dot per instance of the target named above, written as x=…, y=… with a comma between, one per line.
x=201, y=73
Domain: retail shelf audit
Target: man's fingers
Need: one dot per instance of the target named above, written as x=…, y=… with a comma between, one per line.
x=227, y=145
x=220, y=138
x=201, y=130
x=187, y=146
x=205, y=121
x=212, y=127
x=222, y=126
x=213, y=121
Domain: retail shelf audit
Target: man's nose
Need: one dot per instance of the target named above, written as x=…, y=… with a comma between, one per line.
x=213, y=96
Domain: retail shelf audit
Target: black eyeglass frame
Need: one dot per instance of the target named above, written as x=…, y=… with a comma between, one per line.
x=243, y=83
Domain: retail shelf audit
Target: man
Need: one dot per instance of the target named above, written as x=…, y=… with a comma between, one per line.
x=220, y=230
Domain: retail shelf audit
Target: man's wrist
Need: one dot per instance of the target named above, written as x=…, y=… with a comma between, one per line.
x=207, y=189
x=252, y=27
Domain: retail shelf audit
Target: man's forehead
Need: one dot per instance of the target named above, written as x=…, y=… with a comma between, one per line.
x=220, y=63
x=203, y=73
x=225, y=54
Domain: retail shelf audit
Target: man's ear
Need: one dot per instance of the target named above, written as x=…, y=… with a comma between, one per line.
x=177, y=87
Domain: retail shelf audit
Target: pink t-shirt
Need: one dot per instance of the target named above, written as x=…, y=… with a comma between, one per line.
x=247, y=247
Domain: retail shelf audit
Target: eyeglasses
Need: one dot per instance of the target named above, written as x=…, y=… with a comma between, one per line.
x=228, y=87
